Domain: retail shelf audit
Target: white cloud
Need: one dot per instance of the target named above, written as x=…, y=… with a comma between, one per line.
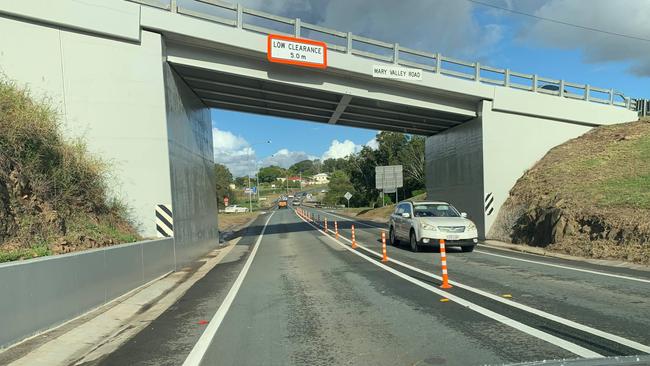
x=341, y=149
x=227, y=141
x=443, y=26
x=233, y=151
x=373, y=144
x=631, y=19
x=285, y=158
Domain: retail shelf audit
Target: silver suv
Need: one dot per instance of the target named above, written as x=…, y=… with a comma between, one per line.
x=426, y=222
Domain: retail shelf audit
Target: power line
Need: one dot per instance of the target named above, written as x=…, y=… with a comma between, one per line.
x=592, y=29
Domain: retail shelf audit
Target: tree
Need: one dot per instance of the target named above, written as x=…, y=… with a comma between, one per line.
x=330, y=165
x=271, y=173
x=412, y=158
x=390, y=145
x=306, y=167
x=241, y=182
x=223, y=179
x=338, y=186
x=361, y=169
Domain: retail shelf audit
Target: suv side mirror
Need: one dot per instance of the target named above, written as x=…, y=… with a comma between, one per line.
x=406, y=215
x=463, y=215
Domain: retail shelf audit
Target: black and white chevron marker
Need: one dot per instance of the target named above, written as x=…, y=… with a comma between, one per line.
x=164, y=221
x=489, y=200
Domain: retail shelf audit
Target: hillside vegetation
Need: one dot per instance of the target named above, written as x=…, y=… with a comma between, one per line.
x=587, y=197
x=379, y=214
x=53, y=197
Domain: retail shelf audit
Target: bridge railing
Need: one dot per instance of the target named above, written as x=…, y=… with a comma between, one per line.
x=236, y=15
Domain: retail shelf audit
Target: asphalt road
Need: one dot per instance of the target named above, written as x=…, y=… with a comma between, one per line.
x=307, y=299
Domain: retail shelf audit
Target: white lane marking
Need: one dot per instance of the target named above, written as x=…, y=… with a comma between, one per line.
x=521, y=259
x=566, y=267
x=571, y=347
x=198, y=351
x=585, y=328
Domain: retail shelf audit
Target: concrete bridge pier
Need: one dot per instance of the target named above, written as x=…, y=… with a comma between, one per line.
x=474, y=165
x=109, y=82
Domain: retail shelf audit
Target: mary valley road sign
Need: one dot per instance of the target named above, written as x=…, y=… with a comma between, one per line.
x=396, y=72
x=296, y=51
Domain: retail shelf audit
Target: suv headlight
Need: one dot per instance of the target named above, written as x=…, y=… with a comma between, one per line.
x=426, y=226
x=471, y=226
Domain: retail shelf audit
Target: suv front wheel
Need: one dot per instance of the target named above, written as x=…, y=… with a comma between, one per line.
x=414, y=243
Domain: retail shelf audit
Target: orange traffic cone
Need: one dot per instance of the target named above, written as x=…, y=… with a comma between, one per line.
x=384, y=257
x=336, y=228
x=354, y=241
x=443, y=259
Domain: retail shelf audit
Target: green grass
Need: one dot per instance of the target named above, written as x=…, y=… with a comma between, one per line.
x=631, y=192
x=608, y=168
x=24, y=253
x=55, y=192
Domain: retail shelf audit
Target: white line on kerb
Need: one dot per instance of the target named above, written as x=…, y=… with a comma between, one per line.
x=521, y=259
x=571, y=347
x=567, y=267
x=555, y=318
x=198, y=351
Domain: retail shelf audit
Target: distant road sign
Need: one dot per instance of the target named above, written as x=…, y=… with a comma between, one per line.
x=347, y=196
x=389, y=177
x=296, y=51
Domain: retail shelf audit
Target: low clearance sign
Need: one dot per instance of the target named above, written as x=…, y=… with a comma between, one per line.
x=296, y=51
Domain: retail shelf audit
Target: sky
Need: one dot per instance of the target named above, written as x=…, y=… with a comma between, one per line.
x=617, y=56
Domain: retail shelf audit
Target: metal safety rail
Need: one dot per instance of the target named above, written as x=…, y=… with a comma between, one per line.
x=236, y=15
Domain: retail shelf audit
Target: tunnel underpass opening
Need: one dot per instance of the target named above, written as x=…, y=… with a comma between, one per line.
x=245, y=94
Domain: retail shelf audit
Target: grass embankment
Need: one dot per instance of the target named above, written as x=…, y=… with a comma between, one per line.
x=232, y=221
x=587, y=197
x=379, y=214
x=53, y=195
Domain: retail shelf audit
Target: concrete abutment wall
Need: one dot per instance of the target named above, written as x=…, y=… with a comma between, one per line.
x=191, y=162
x=473, y=166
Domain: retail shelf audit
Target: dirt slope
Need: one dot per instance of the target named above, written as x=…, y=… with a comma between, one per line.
x=587, y=197
x=53, y=197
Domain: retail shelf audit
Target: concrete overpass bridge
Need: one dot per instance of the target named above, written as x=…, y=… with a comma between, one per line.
x=136, y=79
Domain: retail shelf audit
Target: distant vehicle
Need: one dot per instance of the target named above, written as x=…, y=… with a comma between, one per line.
x=296, y=202
x=553, y=88
x=290, y=196
x=282, y=203
x=235, y=209
x=426, y=222
x=323, y=191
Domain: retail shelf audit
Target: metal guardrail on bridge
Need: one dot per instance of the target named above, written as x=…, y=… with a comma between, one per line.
x=235, y=15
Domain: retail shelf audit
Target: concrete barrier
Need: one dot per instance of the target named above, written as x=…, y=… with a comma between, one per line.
x=40, y=293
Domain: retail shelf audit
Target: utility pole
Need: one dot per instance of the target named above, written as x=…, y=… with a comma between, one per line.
x=250, y=194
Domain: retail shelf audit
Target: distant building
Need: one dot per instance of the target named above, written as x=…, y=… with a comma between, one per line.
x=321, y=178
x=281, y=179
x=232, y=186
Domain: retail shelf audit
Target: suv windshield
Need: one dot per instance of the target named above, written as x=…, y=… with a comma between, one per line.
x=434, y=210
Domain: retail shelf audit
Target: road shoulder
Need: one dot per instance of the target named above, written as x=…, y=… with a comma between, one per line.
x=91, y=336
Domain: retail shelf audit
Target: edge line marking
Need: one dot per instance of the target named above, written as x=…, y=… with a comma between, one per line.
x=195, y=357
